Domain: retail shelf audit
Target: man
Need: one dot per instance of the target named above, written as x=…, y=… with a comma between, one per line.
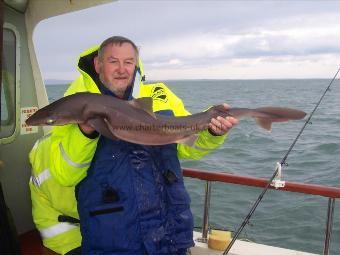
x=131, y=198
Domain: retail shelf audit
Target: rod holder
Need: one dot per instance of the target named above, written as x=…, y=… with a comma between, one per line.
x=329, y=224
x=205, y=229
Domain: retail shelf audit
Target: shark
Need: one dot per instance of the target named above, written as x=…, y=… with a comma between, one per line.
x=134, y=120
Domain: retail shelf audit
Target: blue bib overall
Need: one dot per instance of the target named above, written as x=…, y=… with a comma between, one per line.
x=133, y=201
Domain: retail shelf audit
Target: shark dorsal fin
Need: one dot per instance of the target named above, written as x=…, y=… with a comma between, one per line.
x=144, y=103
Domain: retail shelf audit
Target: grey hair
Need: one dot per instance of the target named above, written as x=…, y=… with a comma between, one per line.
x=116, y=40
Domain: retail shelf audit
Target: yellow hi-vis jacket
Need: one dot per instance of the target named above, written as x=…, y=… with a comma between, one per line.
x=49, y=200
x=72, y=151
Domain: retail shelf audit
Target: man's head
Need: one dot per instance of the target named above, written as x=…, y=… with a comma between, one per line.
x=116, y=62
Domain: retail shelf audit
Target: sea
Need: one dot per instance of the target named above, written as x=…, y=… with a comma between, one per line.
x=284, y=219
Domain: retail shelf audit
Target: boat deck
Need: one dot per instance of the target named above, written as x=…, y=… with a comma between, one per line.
x=243, y=248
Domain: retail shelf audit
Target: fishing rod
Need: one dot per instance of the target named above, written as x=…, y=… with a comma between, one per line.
x=277, y=170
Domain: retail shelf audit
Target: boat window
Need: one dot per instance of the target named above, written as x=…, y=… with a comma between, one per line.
x=7, y=124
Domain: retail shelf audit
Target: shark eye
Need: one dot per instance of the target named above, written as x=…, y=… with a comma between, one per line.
x=50, y=121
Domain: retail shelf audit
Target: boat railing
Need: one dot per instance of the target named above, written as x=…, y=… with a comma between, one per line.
x=331, y=193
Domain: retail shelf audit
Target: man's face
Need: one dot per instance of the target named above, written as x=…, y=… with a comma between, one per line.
x=117, y=66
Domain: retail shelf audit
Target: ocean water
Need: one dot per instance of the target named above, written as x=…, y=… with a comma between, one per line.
x=282, y=219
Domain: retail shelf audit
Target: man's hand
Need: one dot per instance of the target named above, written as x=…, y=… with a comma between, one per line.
x=86, y=129
x=220, y=125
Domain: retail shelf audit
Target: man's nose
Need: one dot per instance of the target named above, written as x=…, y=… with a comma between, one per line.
x=121, y=68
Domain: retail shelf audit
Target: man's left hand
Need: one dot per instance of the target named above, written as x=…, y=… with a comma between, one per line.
x=220, y=126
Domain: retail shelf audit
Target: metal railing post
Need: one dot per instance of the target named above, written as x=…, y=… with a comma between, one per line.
x=329, y=225
x=206, y=212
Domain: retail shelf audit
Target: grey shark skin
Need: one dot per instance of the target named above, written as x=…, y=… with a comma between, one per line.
x=134, y=121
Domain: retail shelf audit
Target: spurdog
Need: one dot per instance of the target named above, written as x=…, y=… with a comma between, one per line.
x=134, y=121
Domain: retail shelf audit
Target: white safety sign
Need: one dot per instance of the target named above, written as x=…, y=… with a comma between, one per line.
x=26, y=112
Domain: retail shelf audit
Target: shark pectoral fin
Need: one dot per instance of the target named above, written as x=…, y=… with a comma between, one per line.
x=101, y=126
x=144, y=103
x=265, y=123
x=188, y=140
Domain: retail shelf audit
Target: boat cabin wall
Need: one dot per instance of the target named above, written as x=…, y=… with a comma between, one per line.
x=18, y=101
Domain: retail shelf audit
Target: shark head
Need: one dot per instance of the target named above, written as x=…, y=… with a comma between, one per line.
x=45, y=117
x=57, y=113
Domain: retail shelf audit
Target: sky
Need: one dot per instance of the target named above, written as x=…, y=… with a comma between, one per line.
x=202, y=39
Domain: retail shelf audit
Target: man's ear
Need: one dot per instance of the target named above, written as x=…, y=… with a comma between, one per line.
x=97, y=64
